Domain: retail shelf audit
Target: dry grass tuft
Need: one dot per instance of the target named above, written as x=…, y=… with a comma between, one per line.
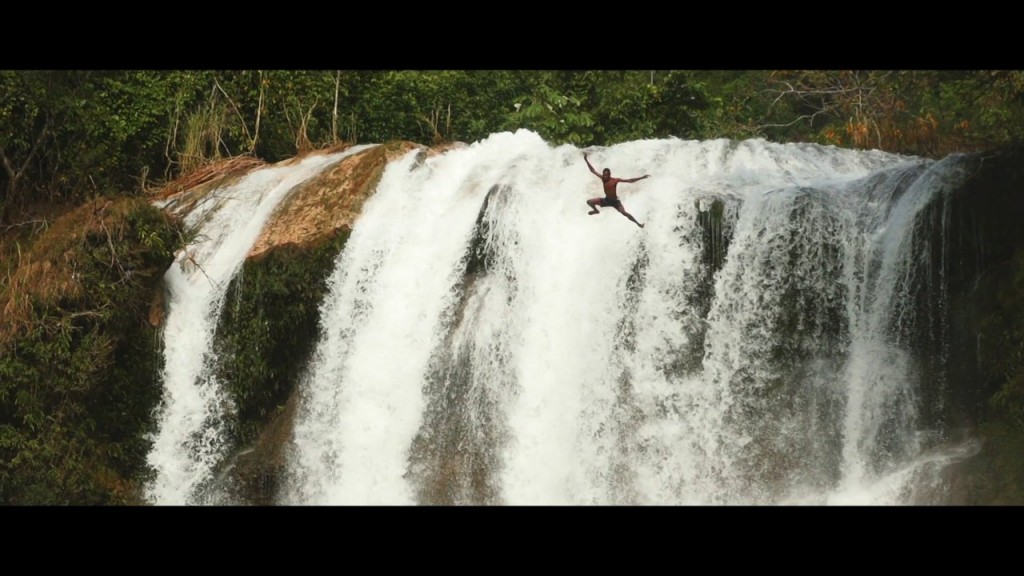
x=44, y=271
x=208, y=173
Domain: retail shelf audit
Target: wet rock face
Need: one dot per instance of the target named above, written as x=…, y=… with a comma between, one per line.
x=257, y=475
x=975, y=237
x=976, y=256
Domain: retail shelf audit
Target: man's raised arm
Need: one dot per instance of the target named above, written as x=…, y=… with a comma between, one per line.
x=596, y=173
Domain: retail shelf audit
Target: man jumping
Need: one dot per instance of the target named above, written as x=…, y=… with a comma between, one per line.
x=611, y=196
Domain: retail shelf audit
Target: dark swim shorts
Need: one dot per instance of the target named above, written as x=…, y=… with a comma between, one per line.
x=612, y=202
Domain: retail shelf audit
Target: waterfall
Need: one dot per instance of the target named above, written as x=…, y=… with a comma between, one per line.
x=486, y=341
x=190, y=440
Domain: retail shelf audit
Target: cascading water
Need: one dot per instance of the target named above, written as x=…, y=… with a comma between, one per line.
x=485, y=341
x=881, y=430
x=190, y=441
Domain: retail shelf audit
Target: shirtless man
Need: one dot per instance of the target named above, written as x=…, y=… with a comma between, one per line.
x=611, y=196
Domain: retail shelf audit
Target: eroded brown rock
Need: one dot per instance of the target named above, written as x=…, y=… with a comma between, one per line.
x=328, y=202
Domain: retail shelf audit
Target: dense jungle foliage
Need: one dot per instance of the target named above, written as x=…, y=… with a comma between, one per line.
x=78, y=365
x=80, y=150
x=67, y=135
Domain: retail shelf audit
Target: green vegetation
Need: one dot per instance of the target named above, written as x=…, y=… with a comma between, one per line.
x=1005, y=328
x=70, y=135
x=78, y=360
x=270, y=323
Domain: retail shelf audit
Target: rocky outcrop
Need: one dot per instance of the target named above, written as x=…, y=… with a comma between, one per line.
x=318, y=208
x=984, y=384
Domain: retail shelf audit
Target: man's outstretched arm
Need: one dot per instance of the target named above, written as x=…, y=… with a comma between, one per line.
x=634, y=179
x=596, y=173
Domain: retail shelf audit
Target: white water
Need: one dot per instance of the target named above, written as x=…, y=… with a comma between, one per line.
x=580, y=367
x=190, y=439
